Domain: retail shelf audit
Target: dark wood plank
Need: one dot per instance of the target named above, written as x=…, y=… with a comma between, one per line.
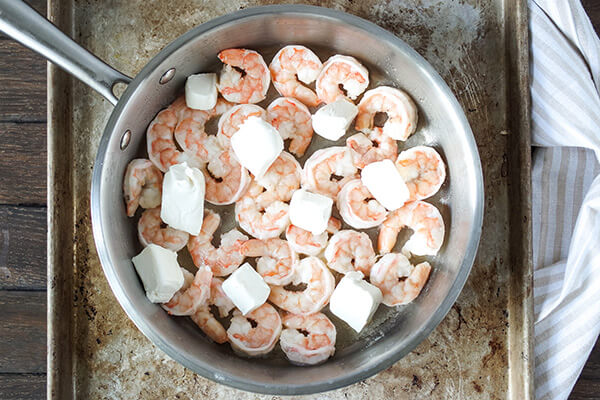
x=592, y=7
x=38, y=5
x=22, y=386
x=22, y=248
x=588, y=384
x=23, y=79
x=22, y=163
x=22, y=332
x=22, y=84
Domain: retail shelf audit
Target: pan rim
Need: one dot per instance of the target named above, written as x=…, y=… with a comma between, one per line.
x=238, y=381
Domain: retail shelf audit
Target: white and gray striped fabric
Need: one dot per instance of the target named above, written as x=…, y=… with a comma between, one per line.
x=565, y=77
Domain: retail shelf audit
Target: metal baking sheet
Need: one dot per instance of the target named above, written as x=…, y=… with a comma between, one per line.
x=482, y=348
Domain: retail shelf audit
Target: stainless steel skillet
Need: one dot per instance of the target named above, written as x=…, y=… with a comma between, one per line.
x=443, y=124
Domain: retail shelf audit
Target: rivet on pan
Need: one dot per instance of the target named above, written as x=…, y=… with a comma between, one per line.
x=125, y=139
x=167, y=76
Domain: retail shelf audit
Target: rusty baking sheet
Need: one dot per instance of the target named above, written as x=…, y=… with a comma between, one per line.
x=482, y=348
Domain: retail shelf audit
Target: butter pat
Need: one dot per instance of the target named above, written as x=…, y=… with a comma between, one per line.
x=385, y=183
x=354, y=300
x=333, y=120
x=201, y=91
x=246, y=289
x=159, y=271
x=310, y=211
x=183, y=198
x=256, y=145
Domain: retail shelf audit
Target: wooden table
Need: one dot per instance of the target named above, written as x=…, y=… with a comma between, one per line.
x=23, y=225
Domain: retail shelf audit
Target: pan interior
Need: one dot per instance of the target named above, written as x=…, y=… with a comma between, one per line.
x=394, y=331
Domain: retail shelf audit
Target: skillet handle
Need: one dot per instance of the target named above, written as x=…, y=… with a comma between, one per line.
x=22, y=23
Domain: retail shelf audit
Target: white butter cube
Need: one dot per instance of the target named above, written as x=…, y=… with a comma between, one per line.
x=256, y=145
x=333, y=120
x=201, y=91
x=385, y=183
x=159, y=271
x=183, y=198
x=246, y=289
x=310, y=211
x=354, y=300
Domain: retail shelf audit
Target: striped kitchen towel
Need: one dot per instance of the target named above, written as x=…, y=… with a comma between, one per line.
x=565, y=78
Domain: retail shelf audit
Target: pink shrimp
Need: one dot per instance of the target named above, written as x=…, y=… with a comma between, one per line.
x=162, y=150
x=293, y=121
x=249, y=87
x=190, y=133
x=426, y=222
x=261, y=213
x=204, y=317
x=345, y=71
x=193, y=295
x=219, y=299
x=222, y=260
x=398, y=280
x=350, y=250
x=319, y=287
x=255, y=333
x=209, y=325
x=142, y=185
x=230, y=122
x=283, y=177
x=276, y=262
x=399, y=107
x=328, y=170
x=357, y=206
x=305, y=242
x=226, y=179
x=292, y=66
x=372, y=148
x=308, y=339
x=151, y=231
x=423, y=171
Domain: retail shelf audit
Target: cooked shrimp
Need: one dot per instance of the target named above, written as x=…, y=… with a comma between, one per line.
x=248, y=87
x=204, y=317
x=292, y=65
x=209, y=325
x=142, y=185
x=305, y=242
x=276, y=262
x=230, y=122
x=190, y=133
x=255, y=333
x=400, y=109
x=162, y=150
x=350, y=250
x=226, y=179
x=293, y=121
x=150, y=230
x=357, y=206
x=327, y=170
x=307, y=340
x=372, y=148
x=319, y=287
x=283, y=177
x=345, y=71
x=423, y=171
x=398, y=280
x=193, y=294
x=261, y=213
x=426, y=222
x=219, y=299
x=222, y=260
